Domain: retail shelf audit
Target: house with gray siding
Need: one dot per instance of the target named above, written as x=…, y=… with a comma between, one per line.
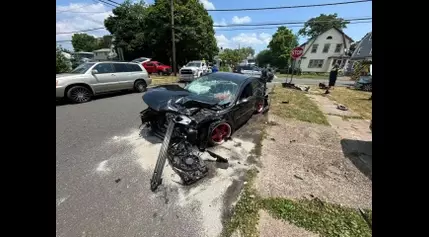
x=363, y=50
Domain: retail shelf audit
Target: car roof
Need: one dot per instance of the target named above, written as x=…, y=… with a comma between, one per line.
x=235, y=77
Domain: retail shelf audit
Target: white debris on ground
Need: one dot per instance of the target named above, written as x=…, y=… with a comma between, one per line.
x=102, y=167
x=208, y=193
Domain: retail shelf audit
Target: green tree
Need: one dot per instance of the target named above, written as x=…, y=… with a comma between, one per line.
x=281, y=45
x=105, y=41
x=84, y=42
x=62, y=63
x=317, y=25
x=127, y=25
x=232, y=56
x=247, y=51
x=265, y=57
x=145, y=30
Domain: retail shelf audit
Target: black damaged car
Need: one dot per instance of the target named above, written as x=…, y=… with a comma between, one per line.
x=216, y=103
x=204, y=113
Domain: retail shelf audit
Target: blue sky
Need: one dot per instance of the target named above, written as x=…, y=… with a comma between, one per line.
x=258, y=39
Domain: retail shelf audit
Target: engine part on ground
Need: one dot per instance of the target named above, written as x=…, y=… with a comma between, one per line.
x=342, y=107
x=162, y=157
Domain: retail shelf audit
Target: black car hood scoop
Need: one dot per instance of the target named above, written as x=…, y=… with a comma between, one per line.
x=161, y=98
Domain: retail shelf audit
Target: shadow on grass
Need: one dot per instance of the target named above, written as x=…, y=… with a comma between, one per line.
x=360, y=154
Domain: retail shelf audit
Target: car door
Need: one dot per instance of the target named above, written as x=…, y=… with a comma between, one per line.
x=245, y=105
x=105, y=77
x=135, y=72
x=150, y=67
x=123, y=76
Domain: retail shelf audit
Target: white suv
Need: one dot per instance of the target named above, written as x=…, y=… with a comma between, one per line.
x=93, y=78
x=192, y=70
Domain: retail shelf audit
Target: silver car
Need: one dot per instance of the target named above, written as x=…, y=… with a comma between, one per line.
x=93, y=78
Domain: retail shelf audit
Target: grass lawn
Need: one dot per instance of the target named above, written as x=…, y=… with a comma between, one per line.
x=308, y=76
x=159, y=80
x=356, y=100
x=319, y=217
x=299, y=106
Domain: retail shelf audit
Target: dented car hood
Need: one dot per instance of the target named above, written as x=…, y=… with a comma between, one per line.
x=162, y=98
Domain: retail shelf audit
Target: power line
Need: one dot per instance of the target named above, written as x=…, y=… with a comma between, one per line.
x=80, y=31
x=288, y=7
x=105, y=3
x=283, y=23
x=113, y=2
x=75, y=8
x=88, y=12
x=275, y=27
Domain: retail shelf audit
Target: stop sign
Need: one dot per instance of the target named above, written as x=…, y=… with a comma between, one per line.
x=297, y=52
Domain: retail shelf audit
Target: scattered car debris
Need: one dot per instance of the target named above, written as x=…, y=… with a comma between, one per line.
x=203, y=114
x=117, y=180
x=365, y=217
x=342, y=107
x=285, y=102
x=291, y=141
x=322, y=86
x=298, y=87
x=272, y=139
x=297, y=177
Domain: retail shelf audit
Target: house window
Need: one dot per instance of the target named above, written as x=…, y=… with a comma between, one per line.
x=315, y=63
x=358, y=52
x=326, y=48
x=329, y=37
x=338, y=48
x=314, y=48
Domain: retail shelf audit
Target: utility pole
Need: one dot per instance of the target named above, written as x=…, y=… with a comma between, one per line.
x=173, y=38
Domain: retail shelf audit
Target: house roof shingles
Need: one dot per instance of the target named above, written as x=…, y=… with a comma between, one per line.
x=364, y=48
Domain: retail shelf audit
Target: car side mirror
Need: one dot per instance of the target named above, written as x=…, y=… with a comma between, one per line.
x=94, y=71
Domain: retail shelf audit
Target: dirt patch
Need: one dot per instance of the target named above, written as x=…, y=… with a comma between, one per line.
x=302, y=159
x=270, y=227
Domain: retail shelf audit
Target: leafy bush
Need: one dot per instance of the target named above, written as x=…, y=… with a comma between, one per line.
x=62, y=63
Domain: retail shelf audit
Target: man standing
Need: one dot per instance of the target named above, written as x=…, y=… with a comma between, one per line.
x=332, y=77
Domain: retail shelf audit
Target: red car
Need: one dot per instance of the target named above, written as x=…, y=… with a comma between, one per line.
x=157, y=67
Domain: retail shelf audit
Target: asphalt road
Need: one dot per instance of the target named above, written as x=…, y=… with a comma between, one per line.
x=103, y=167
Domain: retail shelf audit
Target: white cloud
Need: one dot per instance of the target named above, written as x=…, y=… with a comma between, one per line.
x=70, y=21
x=222, y=41
x=241, y=20
x=207, y=4
x=221, y=23
x=243, y=40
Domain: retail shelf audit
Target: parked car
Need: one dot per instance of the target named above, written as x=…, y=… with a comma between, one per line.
x=157, y=67
x=141, y=60
x=94, y=78
x=248, y=70
x=192, y=70
x=364, y=83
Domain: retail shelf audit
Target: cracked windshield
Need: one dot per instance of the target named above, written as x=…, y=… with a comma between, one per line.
x=214, y=118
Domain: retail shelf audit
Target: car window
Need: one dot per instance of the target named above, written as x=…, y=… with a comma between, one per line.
x=257, y=87
x=104, y=68
x=247, y=92
x=134, y=68
x=121, y=67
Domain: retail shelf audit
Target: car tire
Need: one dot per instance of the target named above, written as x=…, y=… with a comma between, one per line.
x=367, y=87
x=140, y=86
x=79, y=94
x=219, y=132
